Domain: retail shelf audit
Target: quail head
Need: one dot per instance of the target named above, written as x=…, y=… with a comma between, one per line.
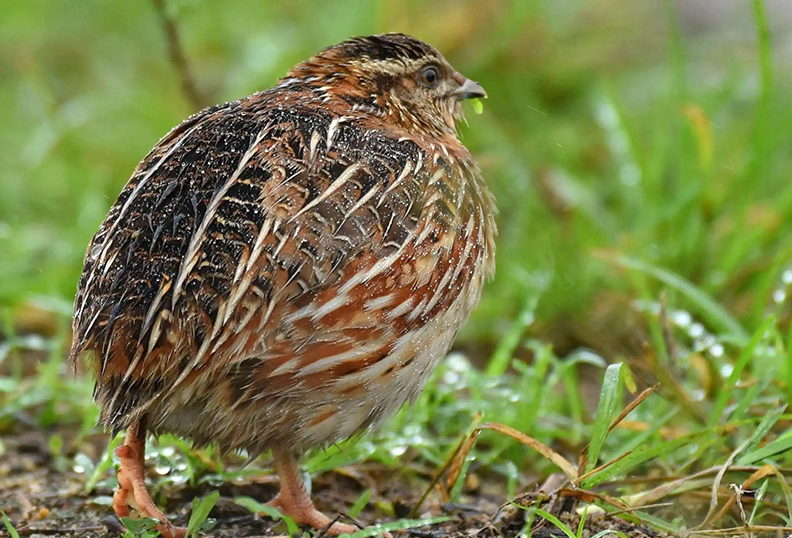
x=286, y=270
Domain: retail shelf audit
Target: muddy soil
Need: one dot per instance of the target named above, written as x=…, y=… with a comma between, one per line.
x=44, y=497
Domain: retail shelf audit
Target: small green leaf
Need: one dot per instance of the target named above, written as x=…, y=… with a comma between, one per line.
x=478, y=106
x=659, y=524
x=139, y=526
x=360, y=503
x=402, y=524
x=56, y=445
x=270, y=511
x=102, y=500
x=200, y=511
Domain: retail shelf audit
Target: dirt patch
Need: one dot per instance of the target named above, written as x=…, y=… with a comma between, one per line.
x=45, y=498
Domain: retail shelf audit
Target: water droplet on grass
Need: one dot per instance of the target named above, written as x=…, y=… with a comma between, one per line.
x=162, y=469
x=682, y=318
x=716, y=350
x=696, y=330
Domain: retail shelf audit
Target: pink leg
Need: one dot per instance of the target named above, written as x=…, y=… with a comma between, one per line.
x=293, y=499
x=131, y=473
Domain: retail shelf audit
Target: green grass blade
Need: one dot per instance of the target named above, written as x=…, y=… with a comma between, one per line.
x=782, y=444
x=104, y=465
x=609, y=532
x=399, y=525
x=12, y=532
x=200, y=512
x=641, y=455
x=759, y=497
x=752, y=395
x=746, y=355
x=788, y=364
x=704, y=304
x=582, y=523
x=360, y=503
x=610, y=397
x=764, y=427
x=659, y=524
x=502, y=356
x=270, y=511
x=761, y=132
x=555, y=521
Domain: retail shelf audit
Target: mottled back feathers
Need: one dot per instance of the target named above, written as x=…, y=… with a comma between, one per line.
x=276, y=249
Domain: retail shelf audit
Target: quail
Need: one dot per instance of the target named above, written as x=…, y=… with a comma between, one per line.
x=286, y=270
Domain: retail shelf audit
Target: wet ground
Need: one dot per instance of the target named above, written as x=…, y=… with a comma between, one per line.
x=44, y=497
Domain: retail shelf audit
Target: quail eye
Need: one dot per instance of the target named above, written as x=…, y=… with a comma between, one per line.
x=429, y=76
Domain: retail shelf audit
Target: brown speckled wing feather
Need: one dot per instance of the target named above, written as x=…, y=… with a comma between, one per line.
x=229, y=231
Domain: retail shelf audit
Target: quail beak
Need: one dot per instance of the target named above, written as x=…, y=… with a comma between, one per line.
x=467, y=88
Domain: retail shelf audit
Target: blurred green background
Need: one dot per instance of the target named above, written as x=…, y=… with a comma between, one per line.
x=632, y=146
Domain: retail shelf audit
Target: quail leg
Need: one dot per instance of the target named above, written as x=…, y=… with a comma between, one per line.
x=131, y=480
x=294, y=500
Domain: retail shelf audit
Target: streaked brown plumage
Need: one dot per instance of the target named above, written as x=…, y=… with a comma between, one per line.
x=285, y=270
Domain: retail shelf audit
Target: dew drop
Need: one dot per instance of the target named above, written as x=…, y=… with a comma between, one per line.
x=458, y=362
x=95, y=251
x=696, y=330
x=682, y=318
x=162, y=469
x=451, y=378
x=707, y=341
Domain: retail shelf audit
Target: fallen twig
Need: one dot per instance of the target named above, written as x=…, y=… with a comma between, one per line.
x=177, y=56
